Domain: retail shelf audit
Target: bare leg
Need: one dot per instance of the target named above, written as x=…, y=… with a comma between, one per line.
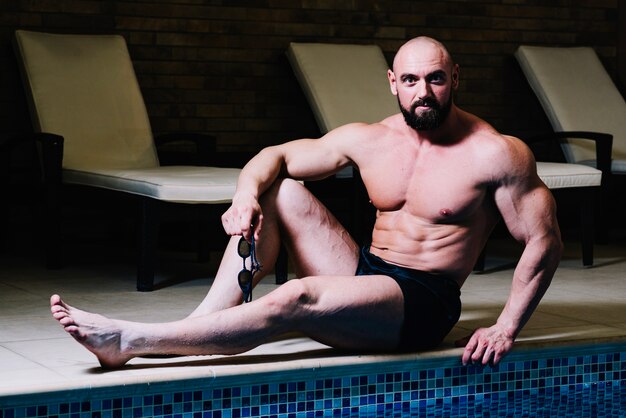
x=337, y=308
x=316, y=242
x=342, y=311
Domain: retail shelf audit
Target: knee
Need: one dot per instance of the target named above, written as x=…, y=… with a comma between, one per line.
x=283, y=192
x=291, y=301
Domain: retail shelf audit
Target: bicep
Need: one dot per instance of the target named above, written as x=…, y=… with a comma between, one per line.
x=527, y=208
x=524, y=201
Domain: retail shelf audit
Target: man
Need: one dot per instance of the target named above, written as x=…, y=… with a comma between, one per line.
x=439, y=177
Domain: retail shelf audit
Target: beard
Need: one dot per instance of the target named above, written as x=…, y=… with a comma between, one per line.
x=432, y=118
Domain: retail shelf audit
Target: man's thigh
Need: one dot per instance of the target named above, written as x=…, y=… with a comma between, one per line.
x=317, y=243
x=354, y=312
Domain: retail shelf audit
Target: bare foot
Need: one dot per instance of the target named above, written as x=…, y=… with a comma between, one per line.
x=98, y=334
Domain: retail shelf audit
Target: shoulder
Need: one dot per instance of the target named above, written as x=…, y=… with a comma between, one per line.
x=485, y=141
x=506, y=157
x=513, y=166
x=514, y=158
x=500, y=161
x=505, y=149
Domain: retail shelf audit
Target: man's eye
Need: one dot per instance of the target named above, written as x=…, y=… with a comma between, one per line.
x=437, y=79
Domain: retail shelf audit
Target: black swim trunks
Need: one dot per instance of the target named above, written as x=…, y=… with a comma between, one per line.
x=432, y=303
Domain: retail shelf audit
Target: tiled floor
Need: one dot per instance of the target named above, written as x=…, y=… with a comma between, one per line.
x=583, y=305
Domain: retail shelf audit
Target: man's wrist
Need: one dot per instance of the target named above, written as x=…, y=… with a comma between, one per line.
x=244, y=195
x=507, y=328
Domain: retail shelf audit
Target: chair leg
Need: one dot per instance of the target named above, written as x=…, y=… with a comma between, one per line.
x=586, y=227
x=52, y=226
x=51, y=158
x=280, y=269
x=148, y=239
x=601, y=211
x=5, y=162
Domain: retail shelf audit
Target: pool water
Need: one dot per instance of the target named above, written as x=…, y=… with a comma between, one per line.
x=586, y=400
x=583, y=382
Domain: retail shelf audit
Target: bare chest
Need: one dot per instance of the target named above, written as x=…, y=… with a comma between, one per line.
x=437, y=187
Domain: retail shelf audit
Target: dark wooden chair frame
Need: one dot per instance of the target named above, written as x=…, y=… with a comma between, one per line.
x=50, y=156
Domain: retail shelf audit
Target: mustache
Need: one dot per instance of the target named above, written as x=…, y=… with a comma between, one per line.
x=428, y=102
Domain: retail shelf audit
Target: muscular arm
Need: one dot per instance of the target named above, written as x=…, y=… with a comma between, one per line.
x=303, y=159
x=529, y=211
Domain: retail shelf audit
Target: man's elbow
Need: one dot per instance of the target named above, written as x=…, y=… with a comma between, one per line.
x=553, y=248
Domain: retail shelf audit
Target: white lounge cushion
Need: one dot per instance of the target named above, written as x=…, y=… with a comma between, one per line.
x=617, y=166
x=183, y=184
x=321, y=70
x=577, y=94
x=566, y=175
x=343, y=84
x=84, y=88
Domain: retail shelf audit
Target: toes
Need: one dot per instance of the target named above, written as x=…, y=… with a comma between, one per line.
x=74, y=332
x=56, y=301
x=59, y=315
x=66, y=321
x=57, y=308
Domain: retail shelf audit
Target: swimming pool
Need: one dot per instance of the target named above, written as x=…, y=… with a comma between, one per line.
x=565, y=381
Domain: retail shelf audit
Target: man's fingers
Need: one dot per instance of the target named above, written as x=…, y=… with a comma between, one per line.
x=487, y=357
x=478, y=354
x=258, y=226
x=245, y=229
x=494, y=352
x=486, y=347
x=497, y=357
x=242, y=223
x=477, y=346
x=466, y=357
x=231, y=221
x=469, y=348
x=502, y=351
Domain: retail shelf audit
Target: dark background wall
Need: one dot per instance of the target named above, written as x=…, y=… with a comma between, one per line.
x=219, y=66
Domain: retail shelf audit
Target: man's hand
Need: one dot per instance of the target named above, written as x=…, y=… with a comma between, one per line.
x=240, y=217
x=486, y=346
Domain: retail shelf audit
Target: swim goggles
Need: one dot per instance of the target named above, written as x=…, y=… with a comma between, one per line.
x=247, y=249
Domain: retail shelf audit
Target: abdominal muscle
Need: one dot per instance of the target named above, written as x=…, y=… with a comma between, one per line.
x=437, y=248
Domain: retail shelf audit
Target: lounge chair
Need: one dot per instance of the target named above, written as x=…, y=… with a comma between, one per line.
x=82, y=91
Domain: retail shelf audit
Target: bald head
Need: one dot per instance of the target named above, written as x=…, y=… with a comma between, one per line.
x=424, y=49
x=423, y=79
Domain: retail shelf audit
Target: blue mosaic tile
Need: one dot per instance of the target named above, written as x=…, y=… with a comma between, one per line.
x=576, y=385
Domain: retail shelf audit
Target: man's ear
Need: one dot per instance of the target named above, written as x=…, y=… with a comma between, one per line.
x=455, y=76
x=392, y=82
